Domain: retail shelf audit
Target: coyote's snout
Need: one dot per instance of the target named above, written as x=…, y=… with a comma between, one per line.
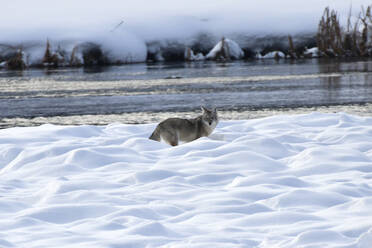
x=174, y=130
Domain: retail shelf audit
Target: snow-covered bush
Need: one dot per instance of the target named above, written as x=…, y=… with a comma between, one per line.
x=225, y=49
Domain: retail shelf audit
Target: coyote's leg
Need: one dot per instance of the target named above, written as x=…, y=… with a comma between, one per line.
x=170, y=137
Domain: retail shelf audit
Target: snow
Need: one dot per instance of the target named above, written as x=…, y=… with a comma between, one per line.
x=134, y=50
x=312, y=52
x=191, y=56
x=124, y=28
x=163, y=19
x=281, y=181
x=118, y=46
x=272, y=55
x=229, y=47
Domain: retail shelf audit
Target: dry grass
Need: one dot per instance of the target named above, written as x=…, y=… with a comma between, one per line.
x=188, y=54
x=335, y=40
x=291, y=50
x=50, y=58
x=16, y=62
x=224, y=53
x=74, y=61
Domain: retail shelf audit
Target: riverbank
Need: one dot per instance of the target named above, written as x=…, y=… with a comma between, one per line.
x=331, y=35
x=155, y=117
x=143, y=93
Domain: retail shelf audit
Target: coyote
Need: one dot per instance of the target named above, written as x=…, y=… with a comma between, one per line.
x=174, y=130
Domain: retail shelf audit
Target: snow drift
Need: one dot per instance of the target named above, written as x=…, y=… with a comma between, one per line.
x=282, y=181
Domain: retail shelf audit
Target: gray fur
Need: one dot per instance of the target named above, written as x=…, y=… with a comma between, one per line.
x=174, y=130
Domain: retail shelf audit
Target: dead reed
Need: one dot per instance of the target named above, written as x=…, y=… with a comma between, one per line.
x=355, y=40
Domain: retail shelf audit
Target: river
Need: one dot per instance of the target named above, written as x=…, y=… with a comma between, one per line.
x=143, y=93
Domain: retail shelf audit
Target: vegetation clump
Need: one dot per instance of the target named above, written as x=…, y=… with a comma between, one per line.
x=52, y=59
x=355, y=40
x=16, y=62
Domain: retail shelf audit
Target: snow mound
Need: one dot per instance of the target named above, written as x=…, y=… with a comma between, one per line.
x=225, y=49
x=282, y=181
x=312, y=52
x=272, y=55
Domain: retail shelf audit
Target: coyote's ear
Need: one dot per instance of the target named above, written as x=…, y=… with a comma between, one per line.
x=204, y=109
x=214, y=110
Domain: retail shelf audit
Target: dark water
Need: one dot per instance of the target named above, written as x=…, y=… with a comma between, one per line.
x=178, y=87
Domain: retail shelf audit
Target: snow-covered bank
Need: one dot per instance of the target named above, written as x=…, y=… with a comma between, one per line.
x=113, y=31
x=283, y=181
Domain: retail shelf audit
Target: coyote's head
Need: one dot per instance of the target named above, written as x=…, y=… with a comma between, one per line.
x=210, y=117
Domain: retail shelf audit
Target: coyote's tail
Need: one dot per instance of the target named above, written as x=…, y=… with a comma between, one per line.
x=155, y=135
